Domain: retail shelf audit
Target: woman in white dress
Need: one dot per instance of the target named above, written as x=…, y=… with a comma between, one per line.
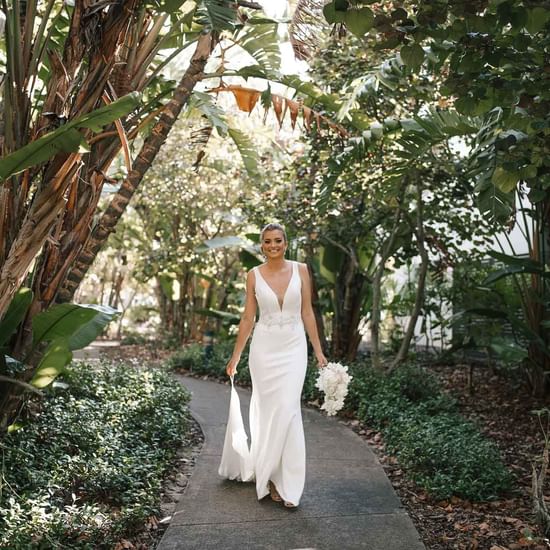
x=277, y=361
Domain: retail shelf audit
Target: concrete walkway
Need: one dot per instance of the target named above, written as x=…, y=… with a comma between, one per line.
x=348, y=501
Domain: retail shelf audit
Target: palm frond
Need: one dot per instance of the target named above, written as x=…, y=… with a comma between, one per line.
x=247, y=98
x=259, y=39
x=206, y=105
x=247, y=149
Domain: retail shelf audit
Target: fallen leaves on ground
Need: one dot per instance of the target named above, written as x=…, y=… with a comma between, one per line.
x=503, y=411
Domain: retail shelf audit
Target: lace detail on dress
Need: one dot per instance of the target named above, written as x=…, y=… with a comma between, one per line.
x=281, y=319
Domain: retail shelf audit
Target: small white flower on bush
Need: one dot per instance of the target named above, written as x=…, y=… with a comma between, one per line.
x=333, y=381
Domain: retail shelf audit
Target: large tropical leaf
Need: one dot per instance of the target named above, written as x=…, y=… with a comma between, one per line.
x=66, y=138
x=54, y=361
x=508, y=350
x=259, y=39
x=231, y=318
x=89, y=331
x=249, y=259
x=205, y=104
x=228, y=241
x=16, y=311
x=526, y=263
x=330, y=261
x=70, y=320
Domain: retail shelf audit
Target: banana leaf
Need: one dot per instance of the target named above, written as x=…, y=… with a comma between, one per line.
x=16, y=311
x=66, y=138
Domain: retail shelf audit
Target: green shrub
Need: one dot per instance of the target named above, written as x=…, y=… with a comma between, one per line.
x=133, y=338
x=189, y=358
x=441, y=451
x=197, y=360
x=310, y=392
x=88, y=469
x=448, y=456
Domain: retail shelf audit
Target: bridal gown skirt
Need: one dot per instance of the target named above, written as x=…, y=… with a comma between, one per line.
x=278, y=360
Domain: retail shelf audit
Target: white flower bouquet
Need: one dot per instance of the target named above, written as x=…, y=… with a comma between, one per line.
x=333, y=381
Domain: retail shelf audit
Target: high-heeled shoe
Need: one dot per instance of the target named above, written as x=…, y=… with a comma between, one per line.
x=275, y=496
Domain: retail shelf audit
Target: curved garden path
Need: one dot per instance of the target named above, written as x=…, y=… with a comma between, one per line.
x=348, y=501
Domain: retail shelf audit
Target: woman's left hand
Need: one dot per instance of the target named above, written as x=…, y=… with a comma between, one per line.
x=322, y=361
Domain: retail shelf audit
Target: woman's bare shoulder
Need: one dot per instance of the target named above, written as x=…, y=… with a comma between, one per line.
x=302, y=268
x=251, y=275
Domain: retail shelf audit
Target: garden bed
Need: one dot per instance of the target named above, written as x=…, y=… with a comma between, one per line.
x=503, y=411
x=88, y=468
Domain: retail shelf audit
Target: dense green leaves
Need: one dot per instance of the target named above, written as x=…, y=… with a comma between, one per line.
x=358, y=20
x=412, y=55
x=100, y=447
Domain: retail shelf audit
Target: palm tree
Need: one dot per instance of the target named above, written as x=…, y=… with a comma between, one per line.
x=54, y=166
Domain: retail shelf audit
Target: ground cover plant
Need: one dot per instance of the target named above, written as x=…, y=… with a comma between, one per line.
x=86, y=468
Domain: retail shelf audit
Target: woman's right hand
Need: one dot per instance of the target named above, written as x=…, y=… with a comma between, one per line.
x=231, y=367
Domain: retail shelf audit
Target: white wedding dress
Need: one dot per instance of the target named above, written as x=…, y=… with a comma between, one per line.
x=277, y=361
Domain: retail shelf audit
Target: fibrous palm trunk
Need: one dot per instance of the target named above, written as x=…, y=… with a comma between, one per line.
x=27, y=234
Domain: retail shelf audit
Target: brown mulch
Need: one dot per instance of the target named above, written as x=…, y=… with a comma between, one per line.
x=503, y=411
x=137, y=353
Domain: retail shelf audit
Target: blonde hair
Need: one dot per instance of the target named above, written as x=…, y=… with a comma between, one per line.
x=273, y=227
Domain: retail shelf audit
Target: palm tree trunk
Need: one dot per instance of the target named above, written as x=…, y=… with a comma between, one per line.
x=145, y=158
x=48, y=201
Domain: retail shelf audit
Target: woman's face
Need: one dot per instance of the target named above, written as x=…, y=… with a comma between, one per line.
x=273, y=244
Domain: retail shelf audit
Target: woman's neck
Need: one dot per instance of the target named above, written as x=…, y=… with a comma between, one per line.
x=276, y=263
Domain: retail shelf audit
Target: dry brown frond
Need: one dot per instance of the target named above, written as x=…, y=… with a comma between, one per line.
x=306, y=27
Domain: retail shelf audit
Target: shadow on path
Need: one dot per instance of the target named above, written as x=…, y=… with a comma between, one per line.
x=348, y=501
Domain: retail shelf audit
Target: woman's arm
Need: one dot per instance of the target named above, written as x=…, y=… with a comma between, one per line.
x=308, y=316
x=245, y=326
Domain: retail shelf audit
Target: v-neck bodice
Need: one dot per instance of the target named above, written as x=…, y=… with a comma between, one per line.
x=271, y=311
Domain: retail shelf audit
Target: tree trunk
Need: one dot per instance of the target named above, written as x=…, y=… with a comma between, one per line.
x=421, y=284
x=145, y=158
x=348, y=291
x=387, y=249
x=537, y=365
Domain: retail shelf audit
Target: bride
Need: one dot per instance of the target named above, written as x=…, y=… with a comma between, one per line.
x=277, y=361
